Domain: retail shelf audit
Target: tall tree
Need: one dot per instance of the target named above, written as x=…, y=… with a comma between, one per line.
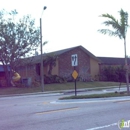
x=119, y=29
x=17, y=38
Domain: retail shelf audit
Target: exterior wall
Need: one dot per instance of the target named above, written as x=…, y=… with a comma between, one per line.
x=45, y=71
x=94, y=69
x=27, y=71
x=30, y=71
x=2, y=80
x=83, y=68
x=55, y=70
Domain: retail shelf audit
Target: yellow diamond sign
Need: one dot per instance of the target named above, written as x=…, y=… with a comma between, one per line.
x=74, y=74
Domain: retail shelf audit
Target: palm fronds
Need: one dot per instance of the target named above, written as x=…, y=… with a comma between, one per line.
x=109, y=32
x=119, y=27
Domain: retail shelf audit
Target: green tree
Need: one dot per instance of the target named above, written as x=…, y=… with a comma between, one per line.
x=119, y=29
x=17, y=38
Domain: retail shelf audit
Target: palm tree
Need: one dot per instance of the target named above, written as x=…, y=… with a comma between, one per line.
x=51, y=62
x=119, y=29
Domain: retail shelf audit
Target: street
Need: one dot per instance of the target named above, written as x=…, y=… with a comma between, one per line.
x=45, y=112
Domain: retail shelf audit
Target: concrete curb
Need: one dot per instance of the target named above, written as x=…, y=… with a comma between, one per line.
x=92, y=100
x=26, y=94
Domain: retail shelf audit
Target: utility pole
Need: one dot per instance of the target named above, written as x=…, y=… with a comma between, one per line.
x=42, y=69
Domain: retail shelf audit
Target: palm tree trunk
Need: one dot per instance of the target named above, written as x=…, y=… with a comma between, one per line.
x=126, y=65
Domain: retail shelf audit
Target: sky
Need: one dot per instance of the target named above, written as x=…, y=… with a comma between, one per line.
x=69, y=23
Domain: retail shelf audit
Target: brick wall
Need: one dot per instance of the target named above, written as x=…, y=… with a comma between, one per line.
x=83, y=68
x=30, y=71
x=27, y=71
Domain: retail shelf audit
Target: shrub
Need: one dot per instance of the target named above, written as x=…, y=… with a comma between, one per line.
x=35, y=84
x=116, y=73
x=53, y=79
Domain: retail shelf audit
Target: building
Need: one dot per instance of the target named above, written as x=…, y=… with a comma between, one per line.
x=88, y=64
x=112, y=61
x=2, y=76
x=112, y=64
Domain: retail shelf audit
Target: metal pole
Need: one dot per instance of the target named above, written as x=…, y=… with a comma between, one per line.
x=42, y=69
x=75, y=88
x=75, y=84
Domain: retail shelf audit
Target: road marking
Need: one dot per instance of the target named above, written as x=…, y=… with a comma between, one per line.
x=45, y=102
x=58, y=110
x=122, y=101
x=101, y=127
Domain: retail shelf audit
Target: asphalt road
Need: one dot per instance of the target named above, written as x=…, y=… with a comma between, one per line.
x=45, y=112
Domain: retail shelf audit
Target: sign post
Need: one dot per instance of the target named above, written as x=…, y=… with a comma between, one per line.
x=74, y=61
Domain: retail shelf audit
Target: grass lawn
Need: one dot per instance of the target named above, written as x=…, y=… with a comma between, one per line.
x=55, y=87
x=96, y=96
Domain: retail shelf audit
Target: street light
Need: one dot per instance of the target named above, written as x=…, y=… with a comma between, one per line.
x=42, y=69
